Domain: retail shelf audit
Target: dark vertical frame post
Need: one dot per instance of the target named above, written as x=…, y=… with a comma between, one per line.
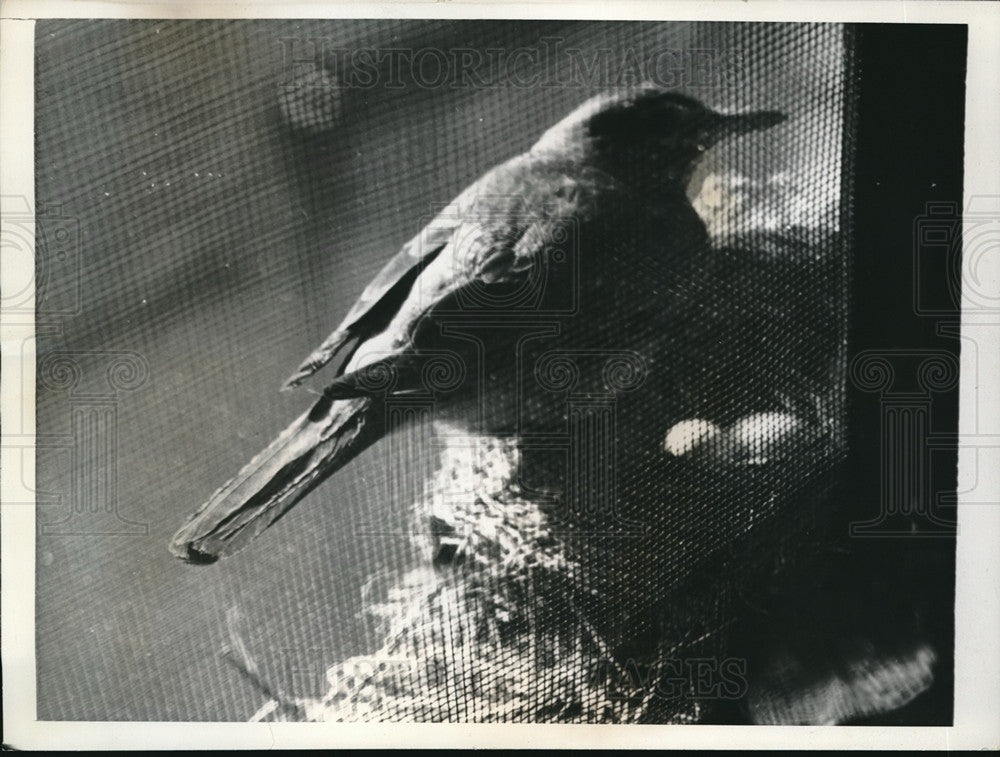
x=908, y=165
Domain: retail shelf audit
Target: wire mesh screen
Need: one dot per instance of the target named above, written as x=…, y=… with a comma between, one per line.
x=652, y=440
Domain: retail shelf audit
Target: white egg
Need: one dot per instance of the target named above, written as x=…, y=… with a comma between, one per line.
x=763, y=437
x=687, y=436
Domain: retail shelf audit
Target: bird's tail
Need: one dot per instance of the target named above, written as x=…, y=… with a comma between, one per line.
x=320, y=442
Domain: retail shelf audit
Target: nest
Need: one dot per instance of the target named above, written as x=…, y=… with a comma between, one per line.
x=508, y=621
x=495, y=629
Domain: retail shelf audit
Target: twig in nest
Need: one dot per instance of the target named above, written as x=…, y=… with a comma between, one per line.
x=237, y=655
x=596, y=638
x=664, y=653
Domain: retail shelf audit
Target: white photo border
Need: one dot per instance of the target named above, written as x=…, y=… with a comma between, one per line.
x=977, y=620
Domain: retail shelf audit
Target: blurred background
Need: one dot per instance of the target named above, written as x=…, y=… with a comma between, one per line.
x=213, y=203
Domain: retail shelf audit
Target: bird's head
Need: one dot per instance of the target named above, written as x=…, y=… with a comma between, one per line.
x=647, y=130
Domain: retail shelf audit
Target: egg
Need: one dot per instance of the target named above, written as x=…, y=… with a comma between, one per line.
x=761, y=438
x=688, y=436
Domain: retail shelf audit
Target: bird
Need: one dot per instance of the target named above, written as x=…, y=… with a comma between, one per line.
x=582, y=238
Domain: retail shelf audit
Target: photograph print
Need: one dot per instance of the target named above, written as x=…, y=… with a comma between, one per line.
x=497, y=371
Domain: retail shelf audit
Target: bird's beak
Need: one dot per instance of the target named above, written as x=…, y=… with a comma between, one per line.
x=744, y=123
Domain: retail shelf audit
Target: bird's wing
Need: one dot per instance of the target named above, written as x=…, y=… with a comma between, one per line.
x=379, y=301
x=382, y=298
x=499, y=245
